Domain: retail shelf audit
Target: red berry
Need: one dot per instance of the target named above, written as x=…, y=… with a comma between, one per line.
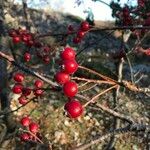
x=27, y=57
x=62, y=77
x=46, y=59
x=68, y=54
x=85, y=26
x=70, y=89
x=22, y=100
x=25, y=121
x=70, y=28
x=38, y=83
x=26, y=91
x=18, y=77
x=46, y=49
x=17, y=89
x=70, y=66
x=16, y=39
x=74, y=108
x=76, y=40
x=80, y=34
x=38, y=92
x=24, y=137
x=30, y=43
x=34, y=127
x=24, y=38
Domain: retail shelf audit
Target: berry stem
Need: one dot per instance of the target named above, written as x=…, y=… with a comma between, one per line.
x=103, y=92
x=32, y=135
x=98, y=74
x=94, y=81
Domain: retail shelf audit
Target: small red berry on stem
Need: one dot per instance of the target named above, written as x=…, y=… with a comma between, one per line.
x=70, y=28
x=68, y=54
x=38, y=83
x=85, y=26
x=18, y=77
x=62, y=77
x=16, y=39
x=25, y=121
x=27, y=57
x=26, y=91
x=74, y=108
x=30, y=43
x=17, y=89
x=24, y=137
x=46, y=59
x=70, y=89
x=34, y=127
x=22, y=100
x=76, y=40
x=38, y=92
x=70, y=66
x=46, y=49
x=80, y=34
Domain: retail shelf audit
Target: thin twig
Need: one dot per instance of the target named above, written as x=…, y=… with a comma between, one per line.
x=93, y=81
x=103, y=92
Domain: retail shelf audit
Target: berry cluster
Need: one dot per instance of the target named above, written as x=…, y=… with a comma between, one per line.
x=31, y=130
x=21, y=35
x=27, y=38
x=70, y=88
x=84, y=27
x=18, y=88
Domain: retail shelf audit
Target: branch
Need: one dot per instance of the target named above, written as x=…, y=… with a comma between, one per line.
x=117, y=132
x=27, y=70
x=103, y=92
x=108, y=110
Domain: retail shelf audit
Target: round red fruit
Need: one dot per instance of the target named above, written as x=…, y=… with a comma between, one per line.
x=76, y=40
x=46, y=49
x=38, y=92
x=17, y=89
x=85, y=26
x=25, y=121
x=16, y=39
x=80, y=34
x=46, y=59
x=38, y=83
x=34, y=127
x=24, y=38
x=68, y=54
x=70, y=89
x=70, y=66
x=62, y=77
x=70, y=28
x=24, y=137
x=18, y=77
x=74, y=108
x=30, y=43
x=27, y=57
x=22, y=100
x=26, y=91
